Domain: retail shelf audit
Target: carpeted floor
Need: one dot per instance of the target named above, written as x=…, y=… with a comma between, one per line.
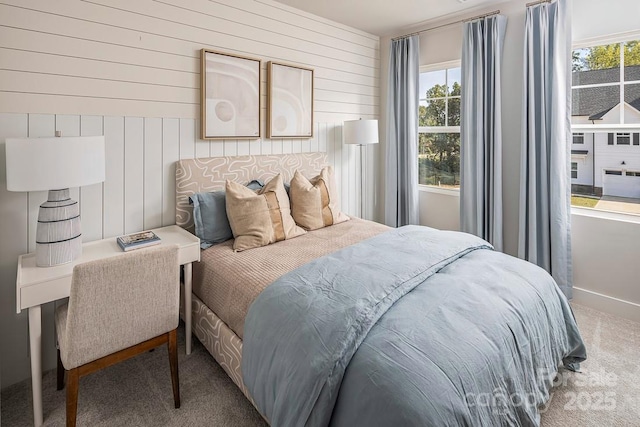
x=138, y=392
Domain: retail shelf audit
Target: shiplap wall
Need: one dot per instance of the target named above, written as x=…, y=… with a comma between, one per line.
x=129, y=70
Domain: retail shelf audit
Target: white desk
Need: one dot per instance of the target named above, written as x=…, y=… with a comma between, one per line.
x=39, y=285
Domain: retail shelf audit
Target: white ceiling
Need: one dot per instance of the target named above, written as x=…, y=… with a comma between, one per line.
x=383, y=17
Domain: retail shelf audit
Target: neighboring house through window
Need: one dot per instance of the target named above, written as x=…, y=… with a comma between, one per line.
x=605, y=93
x=439, y=126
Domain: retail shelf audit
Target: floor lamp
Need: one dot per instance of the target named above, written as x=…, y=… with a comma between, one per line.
x=361, y=132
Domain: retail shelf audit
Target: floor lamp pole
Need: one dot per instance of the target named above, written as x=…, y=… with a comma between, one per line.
x=361, y=185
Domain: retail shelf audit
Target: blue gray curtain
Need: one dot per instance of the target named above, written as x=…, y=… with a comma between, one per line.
x=481, y=129
x=545, y=189
x=401, y=162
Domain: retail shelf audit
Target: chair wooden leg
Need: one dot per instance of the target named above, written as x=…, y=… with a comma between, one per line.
x=60, y=373
x=73, y=377
x=172, y=346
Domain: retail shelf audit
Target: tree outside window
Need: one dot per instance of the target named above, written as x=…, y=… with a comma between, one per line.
x=439, y=128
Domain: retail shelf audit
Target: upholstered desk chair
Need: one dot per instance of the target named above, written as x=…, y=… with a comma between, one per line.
x=118, y=307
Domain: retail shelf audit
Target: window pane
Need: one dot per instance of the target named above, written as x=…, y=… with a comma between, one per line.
x=632, y=97
x=422, y=113
x=632, y=61
x=594, y=103
x=453, y=81
x=598, y=64
x=439, y=159
x=435, y=112
x=433, y=83
x=453, y=114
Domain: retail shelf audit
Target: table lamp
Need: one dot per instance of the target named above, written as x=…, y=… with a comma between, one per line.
x=55, y=165
x=361, y=132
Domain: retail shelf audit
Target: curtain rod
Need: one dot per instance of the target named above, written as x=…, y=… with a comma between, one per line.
x=484, y=15
x=534, y=3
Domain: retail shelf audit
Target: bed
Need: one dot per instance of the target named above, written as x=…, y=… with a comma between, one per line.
x=301, y=371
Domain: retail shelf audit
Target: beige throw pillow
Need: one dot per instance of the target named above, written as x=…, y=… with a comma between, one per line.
x=258, y=219
x=314, y=203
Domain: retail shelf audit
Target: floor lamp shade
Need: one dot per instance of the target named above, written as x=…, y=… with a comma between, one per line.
x=55, y=165
x=361, y=132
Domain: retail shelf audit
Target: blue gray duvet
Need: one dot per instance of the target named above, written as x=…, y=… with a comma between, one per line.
x=413, y=327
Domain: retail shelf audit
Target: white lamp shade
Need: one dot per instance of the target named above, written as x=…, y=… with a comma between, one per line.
x=40, y=164
x=361, y=132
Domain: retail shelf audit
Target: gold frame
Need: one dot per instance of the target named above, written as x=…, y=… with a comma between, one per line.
x=203, y=104
x=270, y=65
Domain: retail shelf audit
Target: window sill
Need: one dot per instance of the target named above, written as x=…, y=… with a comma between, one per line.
x=439, y=190
x=608, y=215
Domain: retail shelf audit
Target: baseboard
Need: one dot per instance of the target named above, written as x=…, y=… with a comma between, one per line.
x=617, y=307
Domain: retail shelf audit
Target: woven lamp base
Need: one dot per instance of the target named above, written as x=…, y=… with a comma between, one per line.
x=58, y=235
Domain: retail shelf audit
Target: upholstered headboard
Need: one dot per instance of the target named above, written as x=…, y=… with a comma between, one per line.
x=209, y=174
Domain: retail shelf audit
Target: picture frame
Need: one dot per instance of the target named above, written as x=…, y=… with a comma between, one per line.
x=290, y=97
x=229, y=96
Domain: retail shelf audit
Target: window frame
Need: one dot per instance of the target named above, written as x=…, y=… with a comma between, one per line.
x=577, y=135
x=623, y=135
x=440, y=66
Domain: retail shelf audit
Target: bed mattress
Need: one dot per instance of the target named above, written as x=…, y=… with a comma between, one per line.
x=228, y=282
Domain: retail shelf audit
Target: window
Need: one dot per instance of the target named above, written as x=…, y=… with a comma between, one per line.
x=623, y=138
x=630, y=173
x=439, y=127
x=578, y=138
x=606, y=119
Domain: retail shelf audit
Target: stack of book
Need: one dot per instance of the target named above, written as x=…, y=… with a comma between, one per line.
x=137, y=240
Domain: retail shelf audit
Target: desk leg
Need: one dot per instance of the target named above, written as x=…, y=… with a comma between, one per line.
x=188, y=276
x=35, y=342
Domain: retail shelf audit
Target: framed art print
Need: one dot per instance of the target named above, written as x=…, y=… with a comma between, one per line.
x=230, y=96
x=290, y=93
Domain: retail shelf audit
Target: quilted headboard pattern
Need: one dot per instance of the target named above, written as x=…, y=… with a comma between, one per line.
x=210, y=174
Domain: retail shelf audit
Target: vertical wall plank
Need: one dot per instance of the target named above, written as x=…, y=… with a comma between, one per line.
x=243, y=147
x=113, y=196
x=287, y=146
x=254, y=147
x=322, y=142
x=266, y=147
x=217, y=148
x=344, y=168
x=13, y=229
x=276, y=146
x=133, y=174
x=305, y=145
x=152, y=173
x=230, y=147
x=91, y=196
x=187, y=139
x=203, y=147
x=170, y=154
x=314, y=144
